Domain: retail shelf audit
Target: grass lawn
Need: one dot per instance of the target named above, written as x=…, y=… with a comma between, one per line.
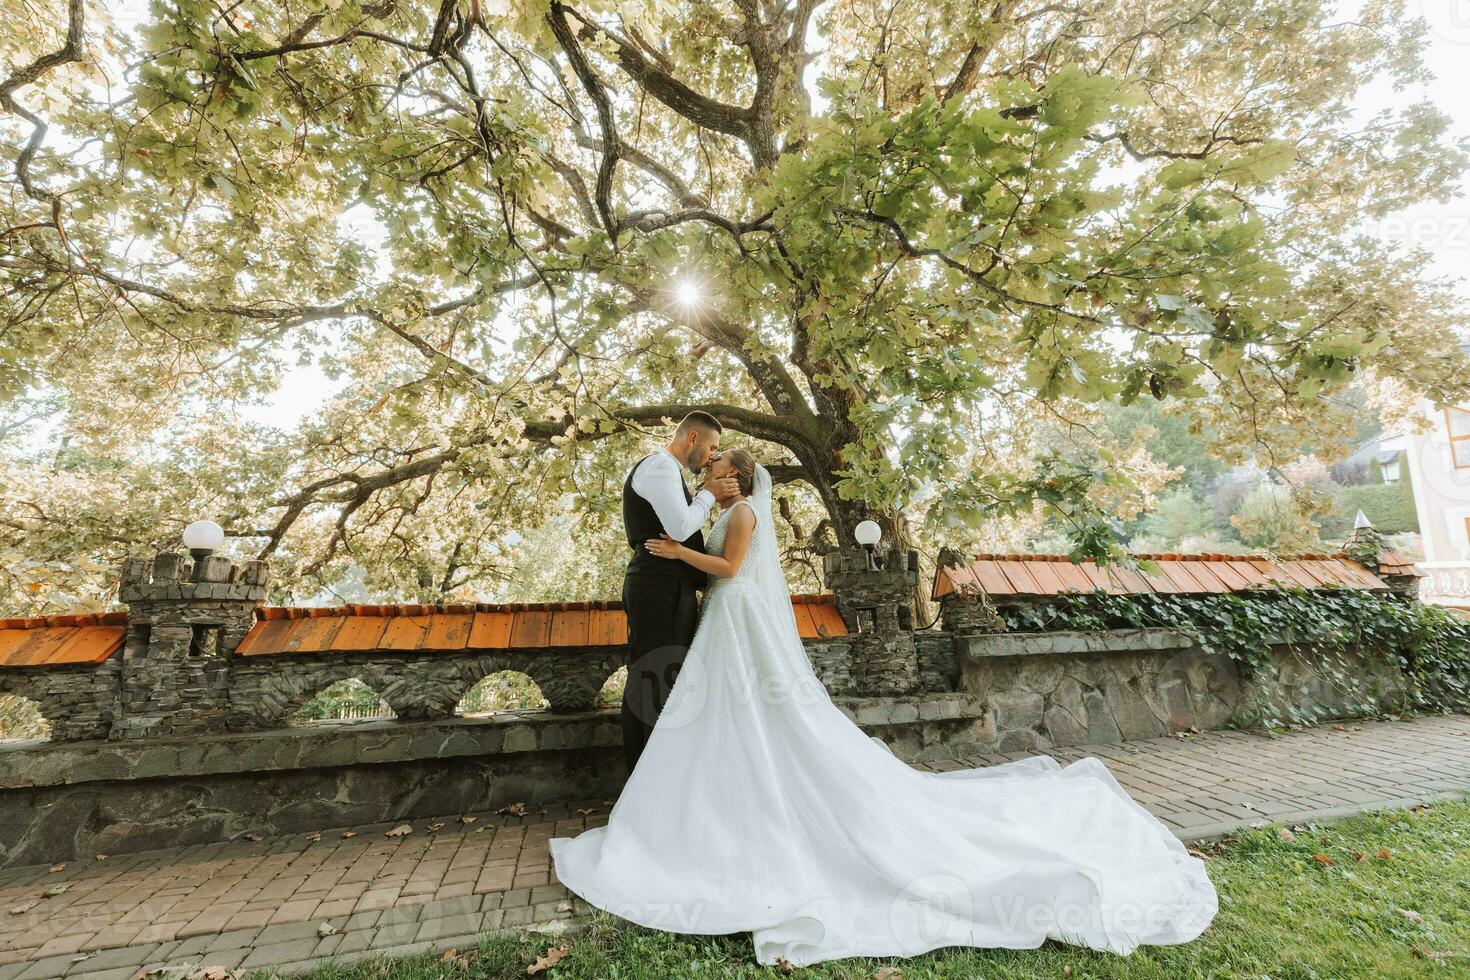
x=1393, y=902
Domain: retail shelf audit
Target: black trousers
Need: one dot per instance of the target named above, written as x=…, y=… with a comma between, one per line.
x=663, y=612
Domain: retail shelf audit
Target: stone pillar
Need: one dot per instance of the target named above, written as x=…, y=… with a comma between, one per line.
x=1366, y=545
x=878, y=608
x=185, y=619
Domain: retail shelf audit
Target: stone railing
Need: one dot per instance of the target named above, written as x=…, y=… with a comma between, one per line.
x=197, y=654
x=169, y=722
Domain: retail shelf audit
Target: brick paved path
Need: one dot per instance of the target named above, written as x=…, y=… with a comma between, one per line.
x=285, y=901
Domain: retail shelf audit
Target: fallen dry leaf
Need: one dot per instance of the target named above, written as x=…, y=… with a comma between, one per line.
x=607, y=802
x=254, y=837
x=1285, y=834
x=514, y=809
x=1339, y=728
x=584, y=810
x=1323, y=859
x=314, y=837
x=348, y=833
x=451, y=955
x=564, y=907
x=436, y=825
x=102, y=857
x=213, y=973
x=402, y=830
x=546, y=962
x=25, y=907
x=887, y=973
x=1410, y=914
x=468, y=819
x=326, y=929
x=1361, y=856
x=784, y=966
x=1196, y=852
x=53, y=891
x=57, y=867
x=1384, y=854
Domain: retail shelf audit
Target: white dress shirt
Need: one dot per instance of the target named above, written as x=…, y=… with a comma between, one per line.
x=659, y=481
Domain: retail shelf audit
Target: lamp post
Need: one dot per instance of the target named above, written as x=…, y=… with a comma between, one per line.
x=868, y=534
x=202, y=538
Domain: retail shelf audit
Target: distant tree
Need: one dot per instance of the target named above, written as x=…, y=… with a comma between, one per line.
x=1180, y=517
x=1280, y=519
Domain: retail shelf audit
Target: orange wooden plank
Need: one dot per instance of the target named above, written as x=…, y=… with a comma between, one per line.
x=266, y=636
x=531, y=628
x=1223, y=571
x=1177, y=572
x=1021, y=581
x=315, y=634
x=1271, y=572
x=1159, y=582
x=448, y=631
x=991, y=579
x=1331, y=572
x=490, y=631
x=1299, y=573
x=247, y=645
x=39, y=644
x=607, y=628
x=1073, y=576
x=1365, y=578
x=827, y=620
x=89, y=645
x=10, y=641
x=954, y=579
x=806, y=627
x=1099, y=578
x=570, y=628
x=404, y=632
x=360, y=633
x=1129, y=581
x=1208, y=581
x=1252, y=575
x=1046, y=577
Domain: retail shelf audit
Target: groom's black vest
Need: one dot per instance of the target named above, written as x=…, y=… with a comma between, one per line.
x=641, y=523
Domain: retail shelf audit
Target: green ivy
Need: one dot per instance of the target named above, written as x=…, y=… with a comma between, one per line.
x=1430, y=645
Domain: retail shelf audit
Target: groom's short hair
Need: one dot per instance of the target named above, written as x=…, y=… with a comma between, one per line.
x=699, y=420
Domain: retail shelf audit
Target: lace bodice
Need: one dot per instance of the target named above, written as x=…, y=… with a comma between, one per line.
x=714, y=542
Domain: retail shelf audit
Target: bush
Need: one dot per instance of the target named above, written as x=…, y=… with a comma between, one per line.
x=1389, y=506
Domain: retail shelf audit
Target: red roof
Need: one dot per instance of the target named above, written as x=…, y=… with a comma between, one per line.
x=76, y=639
x=1046, y=575
x=93, y=638
x=475, y=627
x=1397, y=563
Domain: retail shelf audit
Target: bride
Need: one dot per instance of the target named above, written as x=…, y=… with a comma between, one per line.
x=758, y=806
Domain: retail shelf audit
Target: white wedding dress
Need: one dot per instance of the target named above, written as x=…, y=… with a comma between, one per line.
x=758, y=806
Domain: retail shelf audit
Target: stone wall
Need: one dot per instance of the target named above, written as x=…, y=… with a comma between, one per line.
x=61, y=800
x=1065, y=688
x=79, y=701
x=266, y=691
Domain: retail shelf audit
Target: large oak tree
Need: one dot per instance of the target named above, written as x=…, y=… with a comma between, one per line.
x=901, y=246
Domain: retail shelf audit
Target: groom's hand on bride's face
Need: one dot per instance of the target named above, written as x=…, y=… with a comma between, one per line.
x=722, y=487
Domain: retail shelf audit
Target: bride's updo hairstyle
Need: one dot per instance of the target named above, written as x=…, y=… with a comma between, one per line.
x=744, y=466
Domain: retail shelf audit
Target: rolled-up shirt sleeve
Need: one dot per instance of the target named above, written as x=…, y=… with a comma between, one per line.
x=657, y=481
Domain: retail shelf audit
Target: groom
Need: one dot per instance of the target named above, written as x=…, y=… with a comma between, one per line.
x=658, y=593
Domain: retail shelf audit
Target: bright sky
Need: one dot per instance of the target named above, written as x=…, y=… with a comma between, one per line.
x=1443, y=230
